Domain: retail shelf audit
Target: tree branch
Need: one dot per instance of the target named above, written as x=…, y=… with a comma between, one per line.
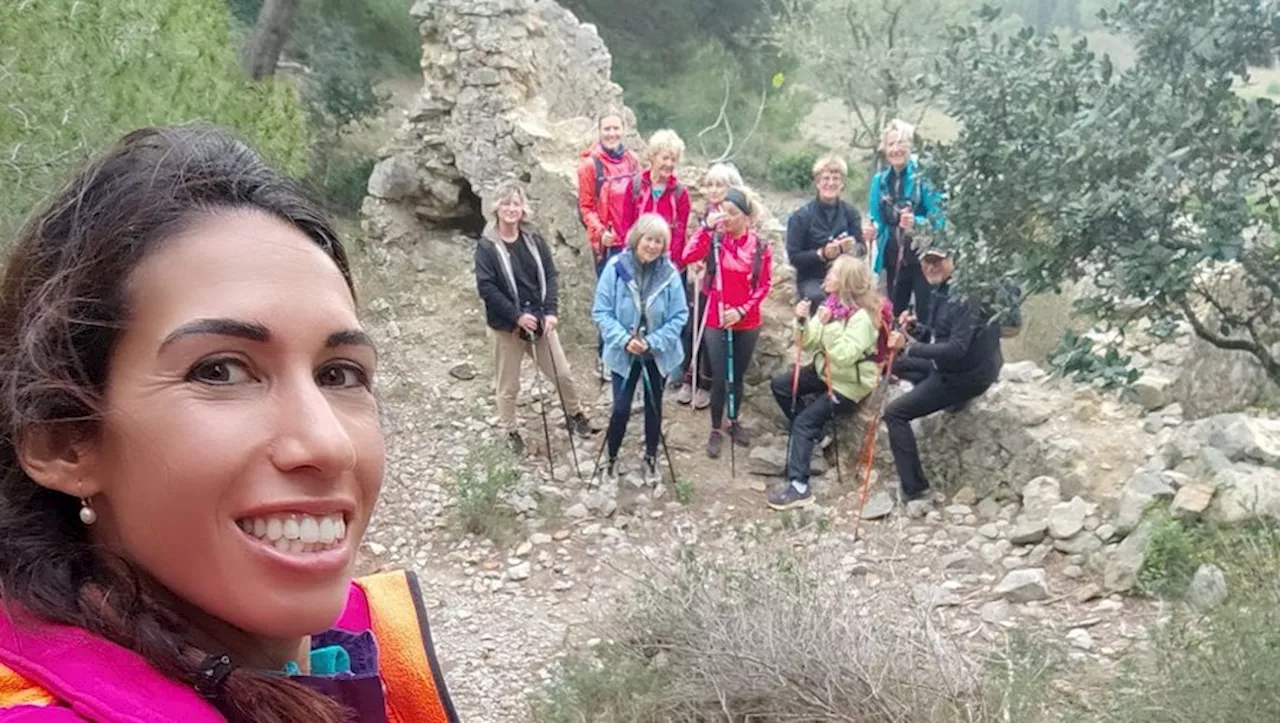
x=1259, y=352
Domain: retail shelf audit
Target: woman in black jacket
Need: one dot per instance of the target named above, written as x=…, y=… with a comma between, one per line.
x=822, y=229
x=517, y=281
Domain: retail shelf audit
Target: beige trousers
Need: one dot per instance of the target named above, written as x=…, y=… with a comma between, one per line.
x=509, y=351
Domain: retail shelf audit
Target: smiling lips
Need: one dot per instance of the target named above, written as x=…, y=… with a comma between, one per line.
x=297, y=534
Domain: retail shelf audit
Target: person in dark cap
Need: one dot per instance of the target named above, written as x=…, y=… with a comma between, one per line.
x=950, y=360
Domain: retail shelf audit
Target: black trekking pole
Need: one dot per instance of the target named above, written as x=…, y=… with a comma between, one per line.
x=542, y=406
x=651, y=401
x=568, y=423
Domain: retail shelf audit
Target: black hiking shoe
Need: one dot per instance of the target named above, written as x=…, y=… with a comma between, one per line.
x=789, y=498
x=740, y=434
x=579, y=425
x=714, y=443
x=515, y=443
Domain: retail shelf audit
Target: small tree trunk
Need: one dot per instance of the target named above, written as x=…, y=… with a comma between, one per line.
x=270, y=32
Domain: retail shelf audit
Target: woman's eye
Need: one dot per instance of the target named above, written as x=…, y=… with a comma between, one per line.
x=220, y=372
x=342, y=376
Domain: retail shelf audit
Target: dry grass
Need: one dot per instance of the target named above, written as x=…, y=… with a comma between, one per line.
x=770, y=639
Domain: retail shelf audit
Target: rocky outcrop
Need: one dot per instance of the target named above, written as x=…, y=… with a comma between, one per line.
x=511, y=90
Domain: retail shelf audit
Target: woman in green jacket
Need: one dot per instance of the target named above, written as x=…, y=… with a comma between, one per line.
x=842, y=335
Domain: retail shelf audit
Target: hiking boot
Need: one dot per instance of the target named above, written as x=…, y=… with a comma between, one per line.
x=741, y=435
x=714, y=443
x=515, y=443
x=579, y=425
x=685, y=395
x=650, y=473
x=826, y=442
x=701, y=398
x=789, y=497
x=609, y=475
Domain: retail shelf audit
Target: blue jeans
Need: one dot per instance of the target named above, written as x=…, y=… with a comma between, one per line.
x=624, y=390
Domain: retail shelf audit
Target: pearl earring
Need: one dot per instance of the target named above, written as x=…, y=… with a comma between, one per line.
x=87, y=515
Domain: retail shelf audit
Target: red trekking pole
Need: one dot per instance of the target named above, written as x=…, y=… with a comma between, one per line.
x=869, y=443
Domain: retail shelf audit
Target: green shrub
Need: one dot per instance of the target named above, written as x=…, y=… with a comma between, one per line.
x=341, y=178
x=1172, y=556
x=78, y=74
x=1273, y=88
x=486, y=477
x=793, y=171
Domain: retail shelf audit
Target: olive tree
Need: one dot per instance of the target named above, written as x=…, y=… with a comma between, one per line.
x=1156, y=186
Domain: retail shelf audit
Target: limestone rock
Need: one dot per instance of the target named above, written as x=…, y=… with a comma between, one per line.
x=994, y=612
x=1246, y=493
x=1039, y=497
x=1121, y=572
x=1192, y=500
x=1151, y=391
x=878, y=506
x=1022, y=586
x=464, y=371
x=1208, y=587
x=1029, y=530
x=1080, y=638
x=960, y=560
x=1066, y=519
x=1082, y=543
x=520, y=572
x=1138, y=492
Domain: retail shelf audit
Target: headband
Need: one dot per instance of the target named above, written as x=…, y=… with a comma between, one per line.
x=739, y=199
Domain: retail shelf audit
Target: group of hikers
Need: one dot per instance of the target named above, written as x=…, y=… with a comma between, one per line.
x=678, y=301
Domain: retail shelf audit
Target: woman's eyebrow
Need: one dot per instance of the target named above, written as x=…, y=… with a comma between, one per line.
x=254, y=331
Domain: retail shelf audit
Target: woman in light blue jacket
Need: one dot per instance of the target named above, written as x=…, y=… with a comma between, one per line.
x=640, y=308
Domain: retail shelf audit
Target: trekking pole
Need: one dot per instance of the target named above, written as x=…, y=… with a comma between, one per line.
x=795, y=386
x=873, y=428
x=732, y=403
x=568, y=423
x=835, y=428
x=651, y=401
x=542, y=407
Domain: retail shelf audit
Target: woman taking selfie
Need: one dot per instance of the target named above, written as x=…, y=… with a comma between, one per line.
x=191, y=455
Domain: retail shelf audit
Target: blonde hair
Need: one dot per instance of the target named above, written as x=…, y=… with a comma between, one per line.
x=666, y=140
x=725, y=173
x=899, y=130
x=649, y=224
x=830, y=162
x=505, y=191
x=856, y=285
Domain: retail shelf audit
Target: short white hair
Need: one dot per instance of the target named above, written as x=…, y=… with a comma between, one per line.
x=666, y=140
x=897, y=129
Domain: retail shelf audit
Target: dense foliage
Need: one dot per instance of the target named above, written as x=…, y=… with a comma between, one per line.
x=1156, y=186
x=76, y=74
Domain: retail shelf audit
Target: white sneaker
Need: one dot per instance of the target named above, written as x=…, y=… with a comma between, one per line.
x=702, y=399
x=649, y=469
x=685, y=395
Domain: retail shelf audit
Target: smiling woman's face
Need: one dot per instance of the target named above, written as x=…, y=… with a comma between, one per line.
x=240, y=456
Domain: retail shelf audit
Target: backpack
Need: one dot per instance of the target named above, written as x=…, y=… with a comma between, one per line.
x=1008, y=311
x=599, y=186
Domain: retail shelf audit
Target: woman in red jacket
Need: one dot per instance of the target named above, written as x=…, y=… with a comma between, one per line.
x=604, y=173
x=740, y=274
x=657, y=190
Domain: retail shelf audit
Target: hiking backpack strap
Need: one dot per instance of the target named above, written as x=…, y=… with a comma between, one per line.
x=599, y=175
x=757, y=263
x=407, y=664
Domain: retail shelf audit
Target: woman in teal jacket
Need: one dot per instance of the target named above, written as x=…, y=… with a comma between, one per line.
x=900, y=201
x=640, y=308
x=842, y=335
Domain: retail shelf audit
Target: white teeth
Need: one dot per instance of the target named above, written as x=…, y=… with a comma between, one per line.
x=328, y=530
x=309, y=530
x=296, y=533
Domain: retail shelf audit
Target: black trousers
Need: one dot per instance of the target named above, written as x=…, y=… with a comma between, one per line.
x=813, y=409
x=624, y=391
x=933, y=391
x=811, y=289
x=744, y=345
x=905, y=280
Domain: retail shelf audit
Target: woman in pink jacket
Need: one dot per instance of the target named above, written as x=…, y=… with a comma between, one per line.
x=190, y=454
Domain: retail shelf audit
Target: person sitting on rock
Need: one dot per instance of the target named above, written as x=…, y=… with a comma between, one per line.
x=191, y=455
x=640, y=309
x=843, y=333
x=715, y=184
x=739, y=273
x=822, y=229
x=603, y=174
x=951, y=360
x=517, y=280
x=904, y=209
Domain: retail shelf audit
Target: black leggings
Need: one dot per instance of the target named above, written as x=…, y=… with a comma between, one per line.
x=744, y=345
x=623, y=392
x=687, y=336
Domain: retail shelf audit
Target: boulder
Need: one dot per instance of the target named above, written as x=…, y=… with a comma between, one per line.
x=1066, y=519
x=1141, y=489
x=1121, y=571
x=1022, y=586
x=1208, y=587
